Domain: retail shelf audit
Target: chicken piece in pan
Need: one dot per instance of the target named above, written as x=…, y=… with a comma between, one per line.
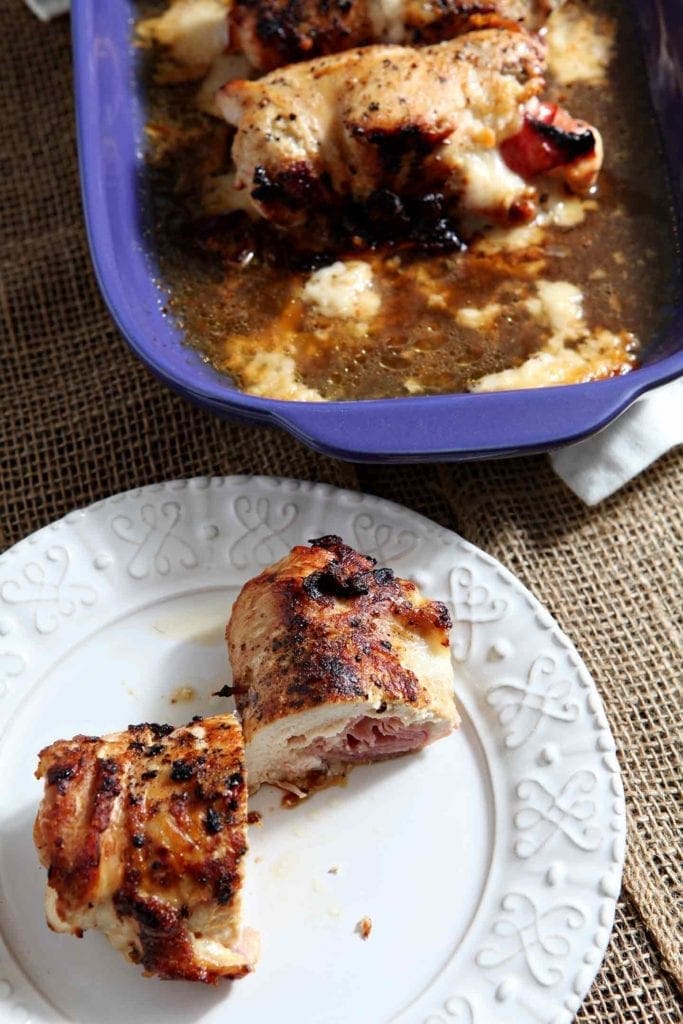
x=460, y=122
x=143, y=833
x=271, y=33
x=335, y=663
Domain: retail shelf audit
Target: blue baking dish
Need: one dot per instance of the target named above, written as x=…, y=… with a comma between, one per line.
x=110, y=114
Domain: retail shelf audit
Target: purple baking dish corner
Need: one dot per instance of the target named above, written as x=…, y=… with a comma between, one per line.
x=451, y=427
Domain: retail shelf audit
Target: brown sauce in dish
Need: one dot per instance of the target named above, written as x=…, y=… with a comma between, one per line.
x=236, y=298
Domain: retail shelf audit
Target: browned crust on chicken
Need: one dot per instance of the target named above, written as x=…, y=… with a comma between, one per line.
x=315, y=628
x=272, y=33
x=275, y=32
x=433, y=21
x=147, y=827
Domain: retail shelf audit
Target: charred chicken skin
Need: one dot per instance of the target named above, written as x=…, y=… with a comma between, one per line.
x=143, y=833
x=272, y=33
x=458, y=126
x=336, y=662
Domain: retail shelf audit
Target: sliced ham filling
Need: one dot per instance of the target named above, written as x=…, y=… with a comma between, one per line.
x=369, y=739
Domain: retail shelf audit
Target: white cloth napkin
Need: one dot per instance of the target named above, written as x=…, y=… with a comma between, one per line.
x=600, y=465
x=46, y=9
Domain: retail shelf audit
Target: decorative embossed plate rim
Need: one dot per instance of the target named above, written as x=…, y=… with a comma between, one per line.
x=542, y=925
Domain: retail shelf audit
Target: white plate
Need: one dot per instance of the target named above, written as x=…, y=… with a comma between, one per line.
x=489, y=864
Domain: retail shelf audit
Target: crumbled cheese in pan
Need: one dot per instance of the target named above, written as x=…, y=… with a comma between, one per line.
x=499, y=239
x=561, y=305
x=598, y=356
x=272, y=374
x=478, y=319
x=344, y=289
x=572, y=352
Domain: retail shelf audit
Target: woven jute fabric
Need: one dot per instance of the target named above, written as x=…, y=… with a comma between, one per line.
x=80, y=419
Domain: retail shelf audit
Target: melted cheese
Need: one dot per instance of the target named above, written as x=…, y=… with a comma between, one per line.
x=273, y=375
x=343, y=290
x=561, y=305
x=571, y=353
x=561, y=208
x=193, y=32
x=498, y=239
x=489, y=182
x=388, y=20
x=565, y=213
x=225, y=68
x=478, y=319
x=219, y=195
x=580, y=44
x=603, y=354
x=557, y=208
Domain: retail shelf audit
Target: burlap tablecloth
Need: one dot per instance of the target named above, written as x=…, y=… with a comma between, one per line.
x=80, y=419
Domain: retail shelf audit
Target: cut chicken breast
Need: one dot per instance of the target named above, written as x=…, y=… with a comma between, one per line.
x=395, y=132
x=143, y=833
x=336, y=663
